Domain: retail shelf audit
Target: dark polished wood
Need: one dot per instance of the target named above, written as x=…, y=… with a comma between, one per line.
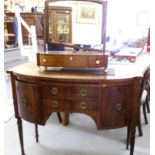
x=112, y=101
x=20, y=131
x=36, y=133
x=72, y=59
x=133, y=131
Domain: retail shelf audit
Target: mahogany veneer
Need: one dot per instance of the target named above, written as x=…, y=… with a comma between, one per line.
x=111, y=101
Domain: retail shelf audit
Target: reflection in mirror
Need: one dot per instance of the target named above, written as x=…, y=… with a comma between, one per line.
x=77, y=24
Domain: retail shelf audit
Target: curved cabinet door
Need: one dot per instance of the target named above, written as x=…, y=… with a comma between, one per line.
x=27, y=98
x=116, y=106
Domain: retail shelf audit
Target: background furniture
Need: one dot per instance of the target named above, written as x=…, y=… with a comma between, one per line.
x=31, y=19
x=59, y=24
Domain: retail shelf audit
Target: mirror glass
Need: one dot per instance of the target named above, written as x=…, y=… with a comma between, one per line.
x=75, y=23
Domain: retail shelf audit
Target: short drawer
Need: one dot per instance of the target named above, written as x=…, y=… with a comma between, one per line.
x=71, y=105
x=53, y=104
x=83, y=105
x=69, y=91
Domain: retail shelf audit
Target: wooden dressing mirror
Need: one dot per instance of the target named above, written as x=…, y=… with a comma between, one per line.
x=75, y=23
x=74, y=34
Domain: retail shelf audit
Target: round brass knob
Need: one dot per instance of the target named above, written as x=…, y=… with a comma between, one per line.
x=70, y=58
x=83, y=105
x=24, y=102
x=118, y=106
x=83, y=92
x=44, y=60
x=55, y=104
x=97, y=62
x=54, y=90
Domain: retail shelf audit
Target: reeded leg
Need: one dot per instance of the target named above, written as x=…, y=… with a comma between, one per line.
x=20, y=132
x=36, y=133
x=132, y=143
x=59, y=117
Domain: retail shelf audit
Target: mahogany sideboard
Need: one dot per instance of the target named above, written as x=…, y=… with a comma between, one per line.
x=111, y=99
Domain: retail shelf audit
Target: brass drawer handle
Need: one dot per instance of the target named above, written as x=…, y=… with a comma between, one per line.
x=24, y=103
x=71, y=58
x=83, y=105
x=83, y=92
x=97, y=62
x=44, y=60
x=55, y=104
x=54, y=90
x=118, y=106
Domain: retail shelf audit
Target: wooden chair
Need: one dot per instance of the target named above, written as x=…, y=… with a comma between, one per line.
x=144, y=103
x=144, y=99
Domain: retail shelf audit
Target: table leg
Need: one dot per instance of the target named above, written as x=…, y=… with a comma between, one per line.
x=59, y=117
x=128, y=136
x=20, y=132
x=36, y=133
x=65, y=118
x=133, y=131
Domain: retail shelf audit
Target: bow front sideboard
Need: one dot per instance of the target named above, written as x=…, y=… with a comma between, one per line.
x=110, y=98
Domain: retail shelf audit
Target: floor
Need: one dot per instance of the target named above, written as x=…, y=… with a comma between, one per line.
x=80, y=137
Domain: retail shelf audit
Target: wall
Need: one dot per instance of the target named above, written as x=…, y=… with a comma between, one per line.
x=83, y=32
x=122, y=20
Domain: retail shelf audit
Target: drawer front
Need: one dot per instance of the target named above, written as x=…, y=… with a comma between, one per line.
x=83, y=105
x=71, y=60
x=28, y=101
x=116, y=103
x=61, y=60
x=69, y=91
x=101, y=61
x=50, y=105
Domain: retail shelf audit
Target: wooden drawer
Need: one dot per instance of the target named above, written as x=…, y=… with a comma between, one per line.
x=116, y=104
x=28, y=101
x=64, y=59
x=51, y=105
x=69, y=90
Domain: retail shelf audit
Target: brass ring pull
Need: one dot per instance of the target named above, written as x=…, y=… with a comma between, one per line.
x=55, y=103
x=83, y=92
x=24, y=103
x=118, y=106
x=54, y=90
x=83, y=105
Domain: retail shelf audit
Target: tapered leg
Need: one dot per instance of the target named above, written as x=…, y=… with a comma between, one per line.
x=20, y=132
x=148, y=106
x=140, y=126
x=144, y=112
x=132, y=143
x=128, y=136
x=59, y=117
x=36, y=133
x=148, y=101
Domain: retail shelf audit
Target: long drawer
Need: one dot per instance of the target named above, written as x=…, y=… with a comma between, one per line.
x=69, y=90
x=72, y=59
x=71, y=105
